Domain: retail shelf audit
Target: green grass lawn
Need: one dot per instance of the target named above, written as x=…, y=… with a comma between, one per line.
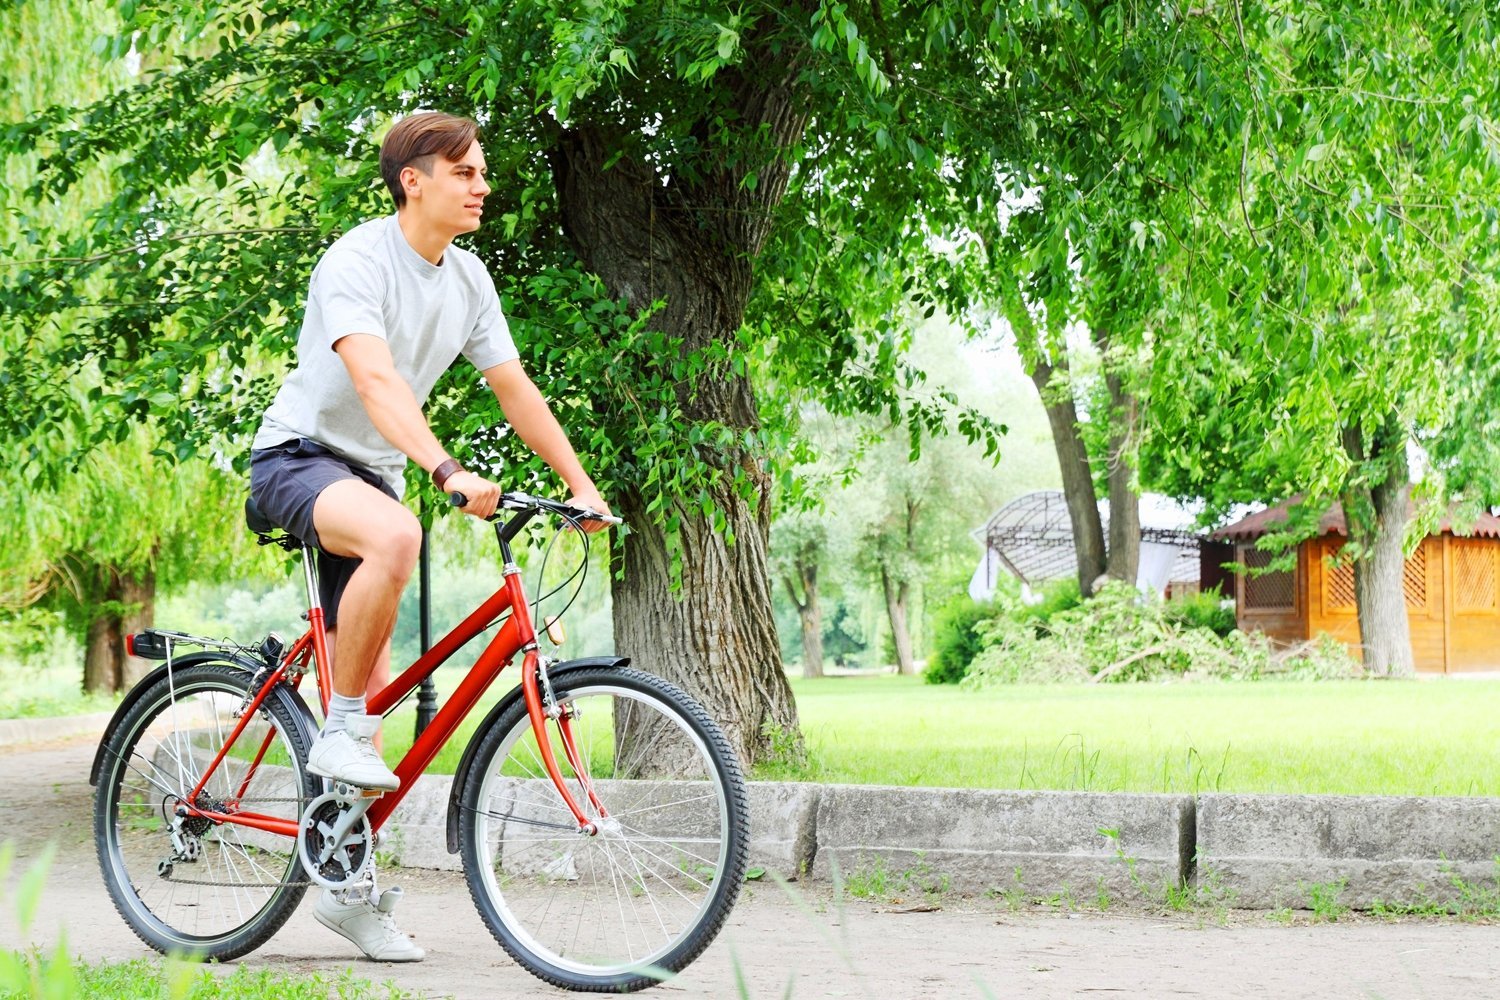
x=1428, y=737
x=39, y=693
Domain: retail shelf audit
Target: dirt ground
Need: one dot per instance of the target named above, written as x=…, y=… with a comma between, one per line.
x=802, y=942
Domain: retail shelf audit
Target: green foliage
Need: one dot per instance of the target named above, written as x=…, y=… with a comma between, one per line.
x=955, y=639
x=1323, y=899
x=259, y=127
x=1465, y=900
x=1056, y=597
x=42, y=690
x=1123, y=635
x=873, y=878
x=30, y=974
x=1206, y=609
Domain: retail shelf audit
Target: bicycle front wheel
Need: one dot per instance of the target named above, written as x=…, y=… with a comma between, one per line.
x=186, y=885
x=642, y=897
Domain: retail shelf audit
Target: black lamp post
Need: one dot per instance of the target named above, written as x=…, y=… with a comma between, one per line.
x=427, y=694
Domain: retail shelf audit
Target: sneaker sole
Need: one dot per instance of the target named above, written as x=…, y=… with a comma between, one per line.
x=333, y=926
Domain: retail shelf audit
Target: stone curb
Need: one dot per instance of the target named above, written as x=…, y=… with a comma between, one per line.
x=1250, y=851
x=1270, y=851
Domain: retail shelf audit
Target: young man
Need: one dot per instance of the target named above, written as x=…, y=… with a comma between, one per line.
x=390, y=306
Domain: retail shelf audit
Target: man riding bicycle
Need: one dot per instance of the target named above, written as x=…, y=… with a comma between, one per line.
x=390, y=306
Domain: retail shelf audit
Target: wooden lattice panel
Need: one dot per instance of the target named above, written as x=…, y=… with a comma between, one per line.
x=1474, y=576
x=1269, y=590
x=1414, y=581
x=1338, y=587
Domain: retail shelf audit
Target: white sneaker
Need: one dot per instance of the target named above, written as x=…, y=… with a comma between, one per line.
x=350, y=757
x=369, y=925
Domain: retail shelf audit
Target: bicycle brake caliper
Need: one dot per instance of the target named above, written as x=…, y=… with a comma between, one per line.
x=549, y=697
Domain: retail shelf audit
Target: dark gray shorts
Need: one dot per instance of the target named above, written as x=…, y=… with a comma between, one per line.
x=285, y=481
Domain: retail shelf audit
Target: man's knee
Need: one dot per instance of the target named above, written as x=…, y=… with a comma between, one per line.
x=355, y=519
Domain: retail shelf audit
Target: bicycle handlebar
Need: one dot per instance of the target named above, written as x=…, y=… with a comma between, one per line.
x=525, y=501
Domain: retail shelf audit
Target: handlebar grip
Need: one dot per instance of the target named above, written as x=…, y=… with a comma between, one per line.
x=457, y=499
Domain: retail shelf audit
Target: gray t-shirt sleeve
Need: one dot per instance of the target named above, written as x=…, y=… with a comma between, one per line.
x=490, y=342
x=348, y=289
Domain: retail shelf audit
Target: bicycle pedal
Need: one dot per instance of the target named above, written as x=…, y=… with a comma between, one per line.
x=350, y=793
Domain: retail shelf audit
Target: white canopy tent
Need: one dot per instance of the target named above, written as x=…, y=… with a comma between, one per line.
x=1031, y=538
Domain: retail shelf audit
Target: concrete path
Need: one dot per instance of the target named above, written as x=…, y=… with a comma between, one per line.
x=802, y=938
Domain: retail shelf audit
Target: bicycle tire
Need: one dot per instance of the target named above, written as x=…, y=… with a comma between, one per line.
x=553, y=897
x=245, y=883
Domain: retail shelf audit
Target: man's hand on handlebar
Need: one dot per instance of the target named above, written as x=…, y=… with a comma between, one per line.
x=483, y=495
x=591, y=500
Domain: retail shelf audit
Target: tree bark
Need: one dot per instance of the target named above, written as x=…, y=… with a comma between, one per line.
x=1073, y=462
x=101, y=661
x=809, y=612
x=897, y=593
x=1376, y=516
x=715, y=636
x=1124, y=559
x=139, y=596
x=122, y=605
x=691, y=238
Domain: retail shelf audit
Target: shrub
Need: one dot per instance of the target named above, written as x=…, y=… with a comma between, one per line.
x=955, y=638
x=1121, y=634
x=1206, y=609
x=1056, y=598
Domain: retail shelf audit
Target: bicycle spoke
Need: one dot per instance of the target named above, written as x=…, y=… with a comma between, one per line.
x=651, y=885
x=224, y=887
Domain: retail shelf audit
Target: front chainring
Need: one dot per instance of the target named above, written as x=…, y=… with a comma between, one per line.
x=349, y=858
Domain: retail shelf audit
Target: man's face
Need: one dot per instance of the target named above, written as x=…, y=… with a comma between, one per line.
x=452, y=196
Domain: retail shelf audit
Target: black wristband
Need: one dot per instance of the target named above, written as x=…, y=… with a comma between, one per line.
x=445, y=471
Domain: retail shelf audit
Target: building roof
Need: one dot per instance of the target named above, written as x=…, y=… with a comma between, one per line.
x=1332, y=522
x=1032, y=535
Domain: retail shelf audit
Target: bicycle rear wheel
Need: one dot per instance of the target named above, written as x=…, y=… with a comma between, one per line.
x=209, y=891
x=618, y=910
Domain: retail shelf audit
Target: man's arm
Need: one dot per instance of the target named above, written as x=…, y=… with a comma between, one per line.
x=532, y=419
x=395, y=413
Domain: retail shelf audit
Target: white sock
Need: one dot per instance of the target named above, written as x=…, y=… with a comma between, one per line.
x=339, y=707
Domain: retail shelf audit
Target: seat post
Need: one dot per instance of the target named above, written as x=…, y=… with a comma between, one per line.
x=310, y=577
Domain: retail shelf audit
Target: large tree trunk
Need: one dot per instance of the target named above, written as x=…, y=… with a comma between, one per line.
x=1124, y=499
x=1073, y=461
x=124, y=604
x=809, y=612
x=139, y=597
x=897, y=593
x=1376, y=516
x=691, y=238
x=101, y=656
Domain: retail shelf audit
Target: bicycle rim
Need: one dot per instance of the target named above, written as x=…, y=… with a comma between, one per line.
x=243, y=883
x=645, y=895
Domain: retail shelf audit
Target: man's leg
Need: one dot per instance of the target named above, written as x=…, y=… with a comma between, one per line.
x=355, y=520
x=379, y=677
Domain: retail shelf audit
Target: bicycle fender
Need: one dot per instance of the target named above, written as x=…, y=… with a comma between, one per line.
x=250, y=664
x=461, y=773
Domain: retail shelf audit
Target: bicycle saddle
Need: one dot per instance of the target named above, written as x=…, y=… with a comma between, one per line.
x=256, y=520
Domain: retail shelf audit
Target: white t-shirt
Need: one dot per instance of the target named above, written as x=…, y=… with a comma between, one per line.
x=371, y=281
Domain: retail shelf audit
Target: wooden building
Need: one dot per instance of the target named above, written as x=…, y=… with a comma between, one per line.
x=1452, y=587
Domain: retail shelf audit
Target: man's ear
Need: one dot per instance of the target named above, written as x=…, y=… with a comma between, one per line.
x=411, y=182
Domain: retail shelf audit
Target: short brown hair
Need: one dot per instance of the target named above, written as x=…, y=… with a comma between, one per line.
x=416, y=140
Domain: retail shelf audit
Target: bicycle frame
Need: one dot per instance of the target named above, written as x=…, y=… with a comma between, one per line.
x=517, y=635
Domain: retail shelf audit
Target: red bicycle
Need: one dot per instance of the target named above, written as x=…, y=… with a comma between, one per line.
x=599, y=810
